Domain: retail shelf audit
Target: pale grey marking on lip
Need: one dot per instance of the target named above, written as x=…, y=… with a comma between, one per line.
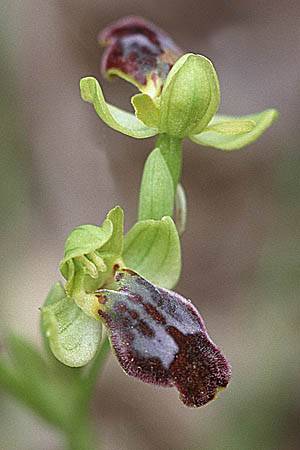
x=161, y=345
x=185, y=317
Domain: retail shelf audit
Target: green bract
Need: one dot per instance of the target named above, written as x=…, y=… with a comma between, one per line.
x=157, y=190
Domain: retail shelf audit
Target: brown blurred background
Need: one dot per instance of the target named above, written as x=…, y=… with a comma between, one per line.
x=61, y=166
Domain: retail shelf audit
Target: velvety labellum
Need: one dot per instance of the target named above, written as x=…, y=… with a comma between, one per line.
x=159, y=337
x=138, y=51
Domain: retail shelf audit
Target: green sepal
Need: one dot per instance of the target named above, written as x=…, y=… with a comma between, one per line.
x=157, y=189
x=73, y=337
x=232, y=127
x=217, y=134
x=152, y=248
x=146, y=110
x=190, y=96
x=114, y=117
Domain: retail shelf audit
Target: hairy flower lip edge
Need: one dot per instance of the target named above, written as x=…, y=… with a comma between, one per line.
x=156, y=44
x=191, y=365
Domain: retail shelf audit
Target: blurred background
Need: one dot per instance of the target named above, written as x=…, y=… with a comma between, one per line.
x=61, y=167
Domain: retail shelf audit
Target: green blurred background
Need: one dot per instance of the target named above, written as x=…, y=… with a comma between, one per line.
x=60, y=167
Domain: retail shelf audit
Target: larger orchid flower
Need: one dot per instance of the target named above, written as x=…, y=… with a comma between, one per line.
x=179, y=95
x=157, y=335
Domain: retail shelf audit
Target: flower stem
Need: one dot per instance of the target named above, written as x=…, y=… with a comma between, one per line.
x=171, y=149
x=81, y=436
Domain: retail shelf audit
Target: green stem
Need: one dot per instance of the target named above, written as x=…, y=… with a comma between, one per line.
x=171, y=149
x=81, y=436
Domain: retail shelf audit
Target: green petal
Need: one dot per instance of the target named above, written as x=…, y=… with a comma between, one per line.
x=157, y=189
x=73, y=336
x=218, y=137
x=91, y=253
x=145, y=110
x=152, y=248
x=84, y=240
x=115, y=118
x=190, y=96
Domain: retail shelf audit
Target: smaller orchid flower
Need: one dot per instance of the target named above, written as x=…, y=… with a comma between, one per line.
x=159, y=337
x=179, y=96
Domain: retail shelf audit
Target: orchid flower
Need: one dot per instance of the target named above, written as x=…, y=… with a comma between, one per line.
x=157, y=335
x=179, y=93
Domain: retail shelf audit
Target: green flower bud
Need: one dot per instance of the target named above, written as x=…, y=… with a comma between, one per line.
x=190, y=96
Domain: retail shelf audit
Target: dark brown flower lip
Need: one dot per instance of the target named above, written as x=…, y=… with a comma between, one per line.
x=159, y=337
x=138, y=51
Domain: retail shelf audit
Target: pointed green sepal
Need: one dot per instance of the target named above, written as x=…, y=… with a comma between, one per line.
x=114, y=117
x=152, y=248
x=232, y=133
